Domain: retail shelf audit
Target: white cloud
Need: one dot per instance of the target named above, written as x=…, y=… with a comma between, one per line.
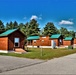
x=66, y=22
x=36, y=17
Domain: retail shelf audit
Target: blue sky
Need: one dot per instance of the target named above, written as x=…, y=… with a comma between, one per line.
x=61, y=12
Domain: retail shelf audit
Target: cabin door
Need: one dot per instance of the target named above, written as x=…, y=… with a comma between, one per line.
x=16, y=42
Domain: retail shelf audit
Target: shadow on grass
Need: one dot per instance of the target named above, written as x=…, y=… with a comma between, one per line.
x=29, y=51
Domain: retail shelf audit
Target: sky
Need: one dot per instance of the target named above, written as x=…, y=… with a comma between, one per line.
x=61, y=12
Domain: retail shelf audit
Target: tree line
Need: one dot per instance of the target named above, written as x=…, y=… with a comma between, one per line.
x=32, y=28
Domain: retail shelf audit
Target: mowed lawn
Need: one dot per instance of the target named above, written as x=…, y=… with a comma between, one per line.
x=45, y=53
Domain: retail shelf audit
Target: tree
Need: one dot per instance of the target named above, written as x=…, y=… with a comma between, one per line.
x=42, y=31
x=26, y=31
x=23, y=28
x=50, y=29
x=11, y=25
x=7, y=26
x=66, y=33
x=21, y=25
x=33, y=28
x=2, y=27
x=72, y=33
x=15, y=25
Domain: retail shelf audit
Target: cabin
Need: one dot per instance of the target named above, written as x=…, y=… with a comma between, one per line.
x=68, y=41
x=44, y=41
x=57, y=38
x=33, y=41
x=74, y=43
x=12, y=39
x=37, y=41
x=74, y=40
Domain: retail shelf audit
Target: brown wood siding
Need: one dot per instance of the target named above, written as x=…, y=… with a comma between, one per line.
x=3, y=43
x=74, y=40
x=46, y=41
x=37, y=43
x=56, y=41
x=67, y=43
x=11, y=37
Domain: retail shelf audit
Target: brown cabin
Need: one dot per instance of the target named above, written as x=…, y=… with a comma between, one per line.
x=45, y=40
x=68, y=41
x=39, y=41
x=74, y=40
x=58, y=39
x=11, y=39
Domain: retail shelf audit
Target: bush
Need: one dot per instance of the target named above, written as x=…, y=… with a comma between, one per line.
x=70, y=47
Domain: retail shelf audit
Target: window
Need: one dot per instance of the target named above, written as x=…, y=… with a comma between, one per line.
x=44, y=37
x=16, y=40
x=34, y=41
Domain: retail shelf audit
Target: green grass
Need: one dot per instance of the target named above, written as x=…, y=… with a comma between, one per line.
x=47, y=53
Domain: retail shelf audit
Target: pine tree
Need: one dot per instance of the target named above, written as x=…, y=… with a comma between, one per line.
x=2, y=27
x=15, y=25
x=33, y=28
x=50, y=29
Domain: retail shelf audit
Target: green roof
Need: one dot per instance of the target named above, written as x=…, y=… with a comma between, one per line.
x=68, y=38
x=33, y=38
x=6, y=33
x=55, y=36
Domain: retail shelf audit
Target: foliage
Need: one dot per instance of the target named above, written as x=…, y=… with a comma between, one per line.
x=70, y=47
x=1, y=26
x=67, y=33
x=11, y=25
x=50, y=29
x=32, y=28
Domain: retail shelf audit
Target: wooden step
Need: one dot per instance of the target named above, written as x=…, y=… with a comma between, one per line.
x=20, y=50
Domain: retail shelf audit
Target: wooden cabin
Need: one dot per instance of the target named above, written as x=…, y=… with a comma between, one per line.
x=33, y=41
x=74, y=40
x=11, y=39
x=58, y=39
x=45, y=40
x=68, y=41
x=38, y=41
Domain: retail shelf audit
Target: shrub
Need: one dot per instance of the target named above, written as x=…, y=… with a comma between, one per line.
x=70, y=47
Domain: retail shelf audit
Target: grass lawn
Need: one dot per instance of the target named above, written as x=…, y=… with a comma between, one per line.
x=47, y=53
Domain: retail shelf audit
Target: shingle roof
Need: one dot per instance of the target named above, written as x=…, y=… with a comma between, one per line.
x=68, y=38
x=55, y=36
x=33, y=38
x=6, y=33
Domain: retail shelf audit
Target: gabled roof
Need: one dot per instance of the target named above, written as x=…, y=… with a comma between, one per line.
x=55, y=36
x=68, y=38
x=6, y=33
x=33, y=38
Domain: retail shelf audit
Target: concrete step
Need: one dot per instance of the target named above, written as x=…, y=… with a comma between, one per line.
x=61, y=46
x=20, y=50
x=74, y=45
